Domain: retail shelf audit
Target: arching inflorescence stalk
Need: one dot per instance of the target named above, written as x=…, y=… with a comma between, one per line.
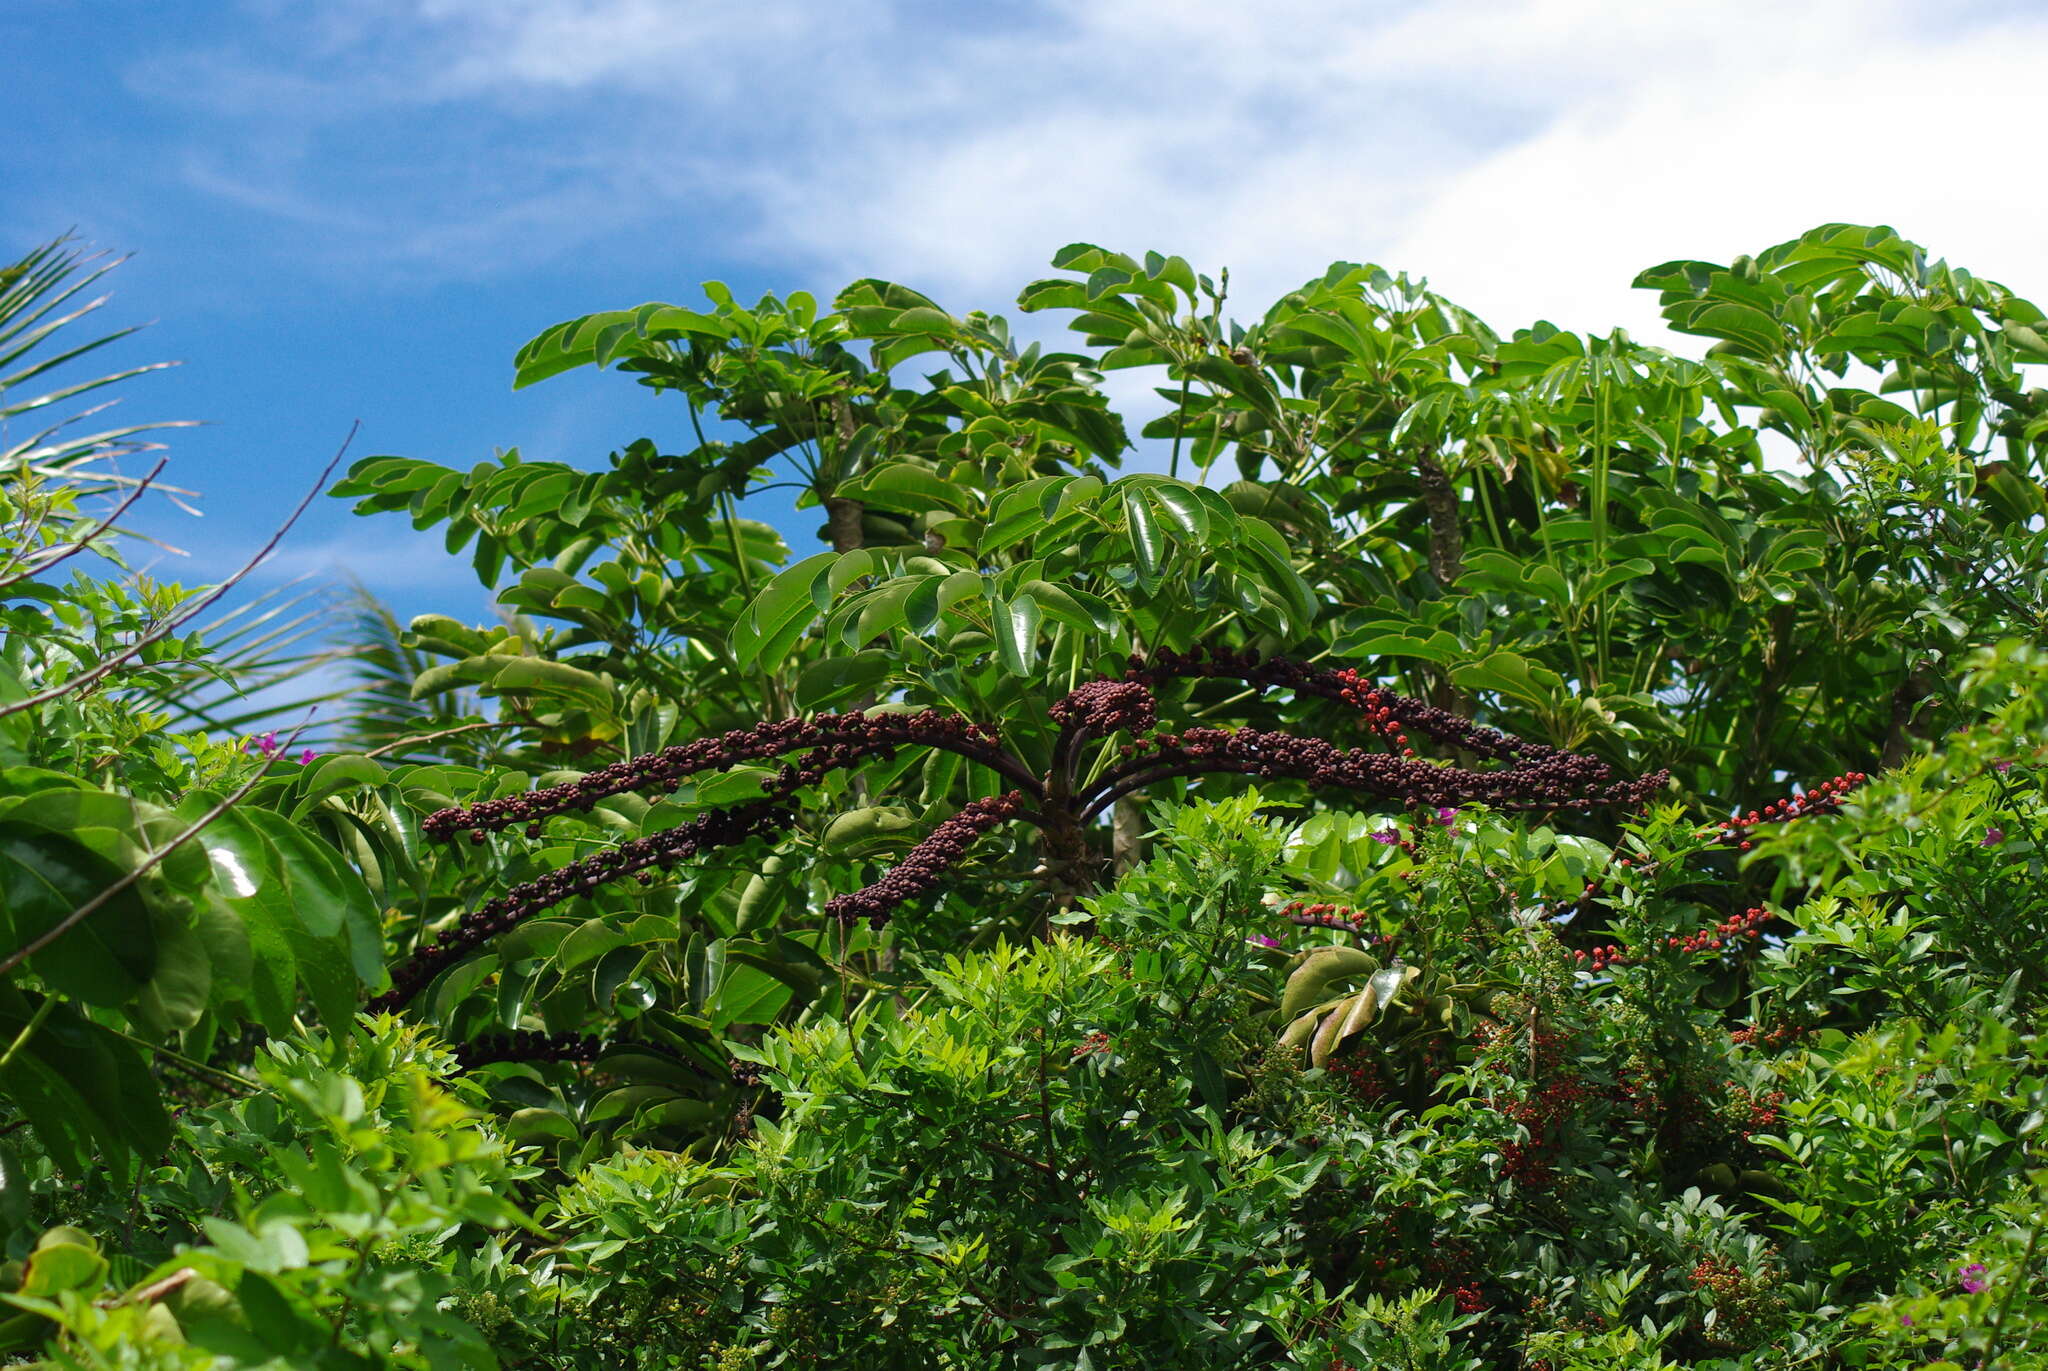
x=1525, y=776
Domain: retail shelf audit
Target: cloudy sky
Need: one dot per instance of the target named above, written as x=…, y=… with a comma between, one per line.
x=358, y=209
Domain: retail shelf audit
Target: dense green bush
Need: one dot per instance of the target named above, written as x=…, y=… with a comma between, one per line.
x=1179, y=1050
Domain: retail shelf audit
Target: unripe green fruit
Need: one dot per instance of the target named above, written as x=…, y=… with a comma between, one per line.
x=863, y=828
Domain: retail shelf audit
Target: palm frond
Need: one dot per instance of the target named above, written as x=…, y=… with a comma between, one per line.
x=385, y=718
x=35, y=339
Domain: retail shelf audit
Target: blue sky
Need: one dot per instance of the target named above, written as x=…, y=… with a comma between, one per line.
x=358, y=209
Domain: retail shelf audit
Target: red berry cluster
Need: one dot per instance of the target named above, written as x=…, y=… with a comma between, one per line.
x=1635, y=1091
x=926, y=864
x=1709, y=942
x=715, y=829
x=1825, y=798
x=851, y=737
x=527, y=1045
x=1544, y=1114
x=1469, y=1299
x=1553, y=781
x=1742, y=1299
x=1094, y=1042
x=1362, y=1077
x=1545, y=1111
x=1770, y=1039
x=1341, y=916
x=1754, y=1113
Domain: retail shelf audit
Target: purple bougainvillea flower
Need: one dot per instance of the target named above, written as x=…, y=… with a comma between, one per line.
x=1387, y=836
x=1263, y=940
x=2003, y=764
x=1446, y=816
x=1906, y=1319
x=307, y=756
x=1972, y=1279
x=1992, y=837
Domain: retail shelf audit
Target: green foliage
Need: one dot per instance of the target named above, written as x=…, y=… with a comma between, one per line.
x=1275, y=1084
x=324, y=1221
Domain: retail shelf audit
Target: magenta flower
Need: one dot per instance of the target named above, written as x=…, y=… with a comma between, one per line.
x=1971, y=1278
x=2004, y=764
x=1993, y=836
x=1263, y=940
x=1446, y=816
x=307, y=756
x=1387, y=836
x=263, y=745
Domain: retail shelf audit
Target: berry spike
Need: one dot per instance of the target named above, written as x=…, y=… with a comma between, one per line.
x=854, y=736
x=527, y=1045
x=1547, y=779
x=717, y=828
x=1384, y=712
x=924, y=865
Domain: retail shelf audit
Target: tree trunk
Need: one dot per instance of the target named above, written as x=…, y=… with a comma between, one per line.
x=1127, y=833
x=842, y=522
x=1907, y=698
x=1446, y=538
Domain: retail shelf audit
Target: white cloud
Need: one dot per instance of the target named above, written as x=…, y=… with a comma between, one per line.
x=1529, y=156
x=1734, y=158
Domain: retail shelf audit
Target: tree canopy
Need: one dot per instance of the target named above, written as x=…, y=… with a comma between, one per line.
x=1439, y=849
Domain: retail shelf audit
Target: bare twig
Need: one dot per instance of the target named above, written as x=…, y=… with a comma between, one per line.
x=445, y=733
x=191, y=611
x=156, y=1290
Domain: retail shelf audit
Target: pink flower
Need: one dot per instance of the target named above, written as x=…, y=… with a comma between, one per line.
x=1992, y=837
x=1446, y=816
x=264, y=745
x=1263, y=940
x=307, y=756
x=1387, y=836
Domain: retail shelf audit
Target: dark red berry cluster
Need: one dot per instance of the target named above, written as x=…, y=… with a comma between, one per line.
x=848, y=737
x=1107, y=706
x=1395, y=717
x=715, y=829
x=1362, y=1077
x=527, y=1045
x=1825, y=798
x=1553, y=781
x=1532, y=776
x=925, y=865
